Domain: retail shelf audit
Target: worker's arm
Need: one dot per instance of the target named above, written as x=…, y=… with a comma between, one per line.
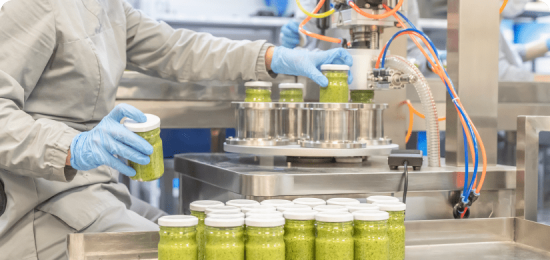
x=29, y=147
x=157, y=49
x=533, y=50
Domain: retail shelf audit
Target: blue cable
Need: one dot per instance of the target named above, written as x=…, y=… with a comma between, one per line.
x=466, y=171
x=468, y=190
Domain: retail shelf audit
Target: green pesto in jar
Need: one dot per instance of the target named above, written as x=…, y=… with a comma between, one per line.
x=300, y=239
x=266, y=243
x=177, y=243
x=292, y=95
x=362, y=96
x=258, y=94
x=396, y=233
x=371, y=240
x=334, y=241
x=224, y=243
x=200, y=233
x=337, y=90
x=155, y=169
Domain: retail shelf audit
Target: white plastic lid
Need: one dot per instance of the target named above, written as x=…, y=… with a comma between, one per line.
x=202, y=205
x=225, y=215
x=178, y=221
x=153, y=122
x=373, y=199
x=242, y=203
x=293, y=207
x=328, y=208
x=334, y=216
x=224, y=222
x=362, y=206
x=222, y=209
x=300, y=214
x=276, y=202
x=391, y=206
x=265, y=221
x=257, y=208
x=342, y=201
x=264, y=213
x=368, y=215
x=312, y=202
x=334, y=67
x=291, y=85
x=258, y=84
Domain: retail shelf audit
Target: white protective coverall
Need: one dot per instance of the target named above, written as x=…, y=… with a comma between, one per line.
x=61, y=62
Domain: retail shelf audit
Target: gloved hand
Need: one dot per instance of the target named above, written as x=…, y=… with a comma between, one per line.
x=442, y=58
x=307, y=63
x=290, y=35
x=99, y=146
x=548, y=44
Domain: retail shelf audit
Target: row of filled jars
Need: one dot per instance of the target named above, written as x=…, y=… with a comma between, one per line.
x=303, y=229
x=337, y=90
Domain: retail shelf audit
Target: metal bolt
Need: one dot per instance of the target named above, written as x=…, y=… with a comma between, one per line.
x=380, y=6
x=413, y=79
x=367, y=5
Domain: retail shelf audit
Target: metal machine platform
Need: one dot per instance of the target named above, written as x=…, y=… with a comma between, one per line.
x=432, y=190
x=501, y=238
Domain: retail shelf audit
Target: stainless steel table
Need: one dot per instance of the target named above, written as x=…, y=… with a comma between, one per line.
x=432, y=191
x=500, y=238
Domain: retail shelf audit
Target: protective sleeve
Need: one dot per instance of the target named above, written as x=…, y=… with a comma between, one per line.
x=156, y=49
x=33, y=148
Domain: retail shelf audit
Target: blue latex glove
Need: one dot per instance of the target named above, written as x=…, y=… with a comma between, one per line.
x=442, y=58
x=290, y=35
x=99, y=146
x=307, y=63
x=548, y=44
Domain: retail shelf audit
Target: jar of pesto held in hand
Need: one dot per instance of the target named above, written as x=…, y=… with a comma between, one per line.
x=300, y=235
x=198, y=209
x=150, y=131
x=396, y=229
x=224, y=238
x=258, y=91
x=337, y=90
x=178, y=238
x=265, y=237
x=371, y=235
x=334, y=236
x=291, y=92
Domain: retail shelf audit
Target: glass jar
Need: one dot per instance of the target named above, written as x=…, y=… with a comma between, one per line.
x=343, y=201
x=224, y=239
x=331, y=208
x=371, y=235
x=373, y=199
x=362, y=207
x=312, y=202
x=242, y=203
x=291, y=92
x=396, y=228
x=198, y=209
x=150, y=131
x=258, y=91
x=257, y=208
x=177, y=238
x=293, y=207
x=222, y=209
x=337, y=90
x=362, y=96
x=334, y=236
x=265, y=238
x=300, y=235
x=276, y=202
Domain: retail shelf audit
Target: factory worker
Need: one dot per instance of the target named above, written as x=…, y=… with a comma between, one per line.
x=60, y=65
x=512, y=56
x=291, y=38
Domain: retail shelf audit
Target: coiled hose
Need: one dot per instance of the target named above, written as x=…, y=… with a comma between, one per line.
x=428, y=104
